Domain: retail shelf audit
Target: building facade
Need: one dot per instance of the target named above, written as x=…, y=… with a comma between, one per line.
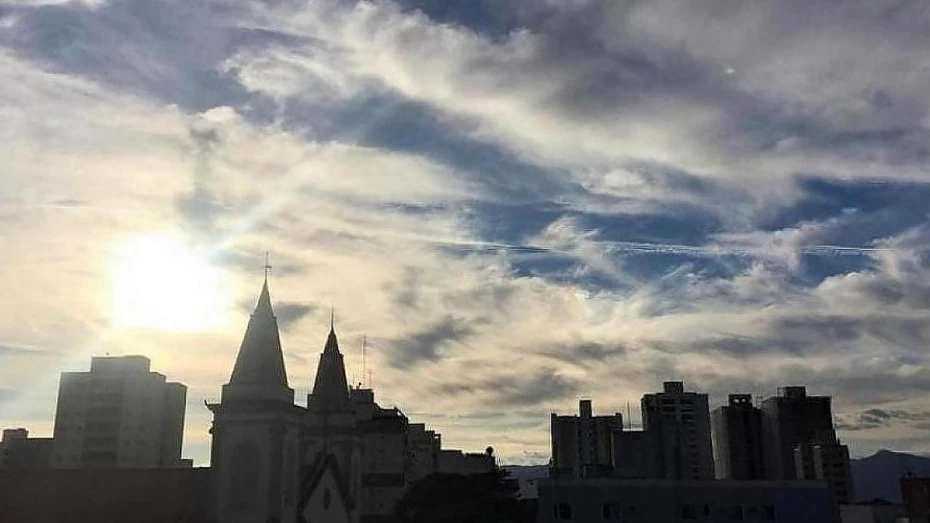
x=118, y=415
x=635, y=455
x=790, y=419
x=674, y=501
x=20, y=452
x=829, y=464
x=265, y=446
x=582, y=445
x=916, y=495
x=737, y=439
x=679, y=422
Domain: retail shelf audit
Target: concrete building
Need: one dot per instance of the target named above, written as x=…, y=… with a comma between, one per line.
x=20, y=452
x=916, y=495
x=737, y=439
x=872, y=513
x=635, y=455
x=829, y=464
x=120, y=414
x=790, y=419
x=674, y=501
x=466, y=463
x=582, y=444
x=679, y=422
x=800, y=443
x=265, y=446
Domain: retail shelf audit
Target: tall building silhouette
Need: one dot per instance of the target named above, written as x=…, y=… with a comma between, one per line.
x=679, y=422
x=737, y=438
x=790, y=419
x=118, y=415
x=582, y=444
x=801, y=443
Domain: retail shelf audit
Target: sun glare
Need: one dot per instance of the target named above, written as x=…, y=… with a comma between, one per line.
x=160, y=282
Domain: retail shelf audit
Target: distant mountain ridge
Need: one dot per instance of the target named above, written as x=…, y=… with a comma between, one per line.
x=875, y=476
x=879, y=475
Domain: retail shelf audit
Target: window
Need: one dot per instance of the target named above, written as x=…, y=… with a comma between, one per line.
x=687, y=512
x=562, y=511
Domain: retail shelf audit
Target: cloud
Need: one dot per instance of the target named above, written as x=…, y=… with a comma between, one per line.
x=429, y=344
x=18, y=350
x=8, y=395
x=585, y=353
x=289, y=313
x=879, y=418
x=517, y=389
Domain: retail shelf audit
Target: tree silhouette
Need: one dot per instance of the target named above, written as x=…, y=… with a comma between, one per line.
x=455, y=498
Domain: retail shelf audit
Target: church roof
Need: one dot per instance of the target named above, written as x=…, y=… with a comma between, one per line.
x=260, y=360
x=325, y=463
x=330, y=388
x=332, y=344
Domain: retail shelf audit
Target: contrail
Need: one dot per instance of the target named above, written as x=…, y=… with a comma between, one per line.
x=623, y=247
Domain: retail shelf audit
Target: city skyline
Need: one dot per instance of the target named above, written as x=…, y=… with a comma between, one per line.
x=515, y=204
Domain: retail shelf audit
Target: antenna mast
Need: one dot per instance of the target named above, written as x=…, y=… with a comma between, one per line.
x=365, y=357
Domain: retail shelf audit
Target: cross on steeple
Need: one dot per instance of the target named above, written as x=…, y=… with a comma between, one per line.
x=267, y=267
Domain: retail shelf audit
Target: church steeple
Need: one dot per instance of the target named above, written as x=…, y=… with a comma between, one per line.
x=330, y=388
x=260, y=363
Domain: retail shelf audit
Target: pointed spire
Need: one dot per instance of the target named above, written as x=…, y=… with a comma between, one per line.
x=330, y=388
x=260, y=360
x=263, y=307
x=332, y=343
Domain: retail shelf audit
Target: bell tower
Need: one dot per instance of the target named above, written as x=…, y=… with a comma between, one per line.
x=255, y=455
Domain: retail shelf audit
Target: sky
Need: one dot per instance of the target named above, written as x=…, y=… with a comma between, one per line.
x=517, y=203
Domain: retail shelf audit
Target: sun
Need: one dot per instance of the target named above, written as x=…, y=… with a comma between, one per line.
x=160, y=282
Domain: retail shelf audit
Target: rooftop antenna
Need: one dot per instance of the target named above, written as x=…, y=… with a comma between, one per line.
x=332, y=317
x=364, y=356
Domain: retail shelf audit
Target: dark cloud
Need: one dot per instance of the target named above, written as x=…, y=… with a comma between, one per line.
x=543, y=386
x=8, y=395
x=812, y=334
x=517, y=389
x=428, y=344
x=168, y=50
x=584, y=353
x=877, y=418
x=289, y=313
x=8, y=349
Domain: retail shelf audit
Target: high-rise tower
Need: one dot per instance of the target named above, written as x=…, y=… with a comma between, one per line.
x=679, y=422
x=737, y=438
